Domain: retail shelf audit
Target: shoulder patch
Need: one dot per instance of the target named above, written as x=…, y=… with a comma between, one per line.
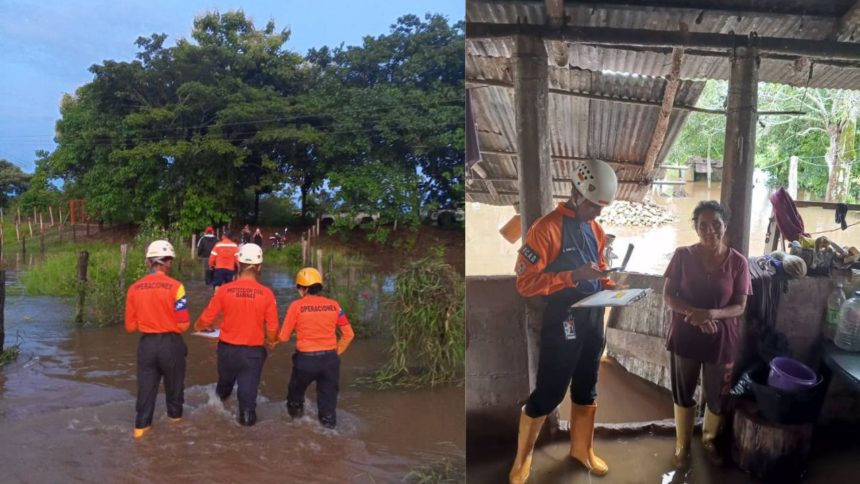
x=529, y=254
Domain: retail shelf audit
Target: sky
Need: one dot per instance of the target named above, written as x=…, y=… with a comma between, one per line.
x=47, y=46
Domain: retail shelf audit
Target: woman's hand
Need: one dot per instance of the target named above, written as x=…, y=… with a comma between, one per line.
x=709, y=327
x=698, y=317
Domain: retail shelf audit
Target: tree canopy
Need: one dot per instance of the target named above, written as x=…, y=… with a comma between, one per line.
x=824, y=137
x=194, y=134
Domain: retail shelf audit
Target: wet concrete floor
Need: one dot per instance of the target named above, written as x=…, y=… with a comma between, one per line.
x=644, y=457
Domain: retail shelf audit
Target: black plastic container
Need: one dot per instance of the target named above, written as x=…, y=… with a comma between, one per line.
x=782, y=407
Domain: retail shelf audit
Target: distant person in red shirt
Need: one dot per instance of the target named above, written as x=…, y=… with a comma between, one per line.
x=315, y=319
x=250, y=319
x=157, y=307
x=223, y=260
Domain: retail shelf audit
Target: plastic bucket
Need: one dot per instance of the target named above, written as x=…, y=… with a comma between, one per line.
x=790, y=408
x=790, y=375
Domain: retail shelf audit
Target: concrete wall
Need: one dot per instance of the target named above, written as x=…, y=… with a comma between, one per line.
x=496, y=359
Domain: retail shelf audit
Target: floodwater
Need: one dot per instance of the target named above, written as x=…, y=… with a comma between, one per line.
x=644, y=457
x=487, y=253
x=67, y=411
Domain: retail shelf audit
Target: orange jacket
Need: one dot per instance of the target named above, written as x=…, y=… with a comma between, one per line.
x=225, y=255
x=156, y=304
x=315, y=319
x=250, y=313
x=542, y=247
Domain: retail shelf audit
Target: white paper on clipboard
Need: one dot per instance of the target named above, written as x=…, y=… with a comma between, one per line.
x=612, y=297
x=208, y=334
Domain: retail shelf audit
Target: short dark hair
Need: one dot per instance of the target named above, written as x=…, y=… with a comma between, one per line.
x=712, y=206
x=312, y=289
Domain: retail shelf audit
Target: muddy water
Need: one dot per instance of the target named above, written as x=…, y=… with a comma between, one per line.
x=643, y=458
x=487, y=253
x=67, y=410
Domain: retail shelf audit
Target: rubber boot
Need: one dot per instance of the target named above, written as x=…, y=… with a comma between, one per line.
x=247, y=417
x=710, y=428
x=140, y=432
x=582, y=436
x=684, y=420
x=528, y=434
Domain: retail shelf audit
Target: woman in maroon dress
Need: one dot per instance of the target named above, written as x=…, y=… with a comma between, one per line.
x=706, y=290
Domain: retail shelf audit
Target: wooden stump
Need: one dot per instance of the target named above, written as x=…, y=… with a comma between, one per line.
x=769, y=451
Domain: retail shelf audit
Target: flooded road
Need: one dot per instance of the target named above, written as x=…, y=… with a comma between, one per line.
x=487, y=253
x=67, y=410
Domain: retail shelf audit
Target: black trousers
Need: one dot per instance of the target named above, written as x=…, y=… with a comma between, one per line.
x=324, y=369
x=562, y=360
x=160, y=355
x=222, y=276
x=242, y=364
x=716, y=382
x=207, y=272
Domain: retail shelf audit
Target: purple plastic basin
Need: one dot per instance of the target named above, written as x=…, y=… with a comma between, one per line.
x=790, y=375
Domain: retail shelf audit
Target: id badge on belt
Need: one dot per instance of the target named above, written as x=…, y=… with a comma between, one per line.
x=569, y=327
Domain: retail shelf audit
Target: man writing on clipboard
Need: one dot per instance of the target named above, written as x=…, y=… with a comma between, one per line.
x=562, y=260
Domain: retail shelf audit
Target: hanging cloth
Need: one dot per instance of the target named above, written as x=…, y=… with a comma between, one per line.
x=787, y=217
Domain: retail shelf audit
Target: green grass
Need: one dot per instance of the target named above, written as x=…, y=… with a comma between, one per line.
x=9, y=355
x=428, y=326
x=105, y=299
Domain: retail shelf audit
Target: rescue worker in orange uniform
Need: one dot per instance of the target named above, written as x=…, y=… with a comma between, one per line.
x=157, y=307
x=223, y=260
x=250, y=319
x=315, y=320
x=562, y=260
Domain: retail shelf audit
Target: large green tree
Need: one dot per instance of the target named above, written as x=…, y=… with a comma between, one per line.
x=13, y=181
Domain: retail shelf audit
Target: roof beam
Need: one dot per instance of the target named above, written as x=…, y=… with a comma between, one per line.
x=848, y=24
x=672, y=82
x=475, y=82
x=816, y=49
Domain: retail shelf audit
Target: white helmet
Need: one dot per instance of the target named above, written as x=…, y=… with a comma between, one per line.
x=596, y=181
x=251, y=254
x=160, y=248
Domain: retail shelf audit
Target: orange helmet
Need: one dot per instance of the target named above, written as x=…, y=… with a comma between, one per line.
x=308, y=277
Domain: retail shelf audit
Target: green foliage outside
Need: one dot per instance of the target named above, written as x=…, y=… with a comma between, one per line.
x=13, y=181
x=428, y=326
x=215, y=129
x=824, y=138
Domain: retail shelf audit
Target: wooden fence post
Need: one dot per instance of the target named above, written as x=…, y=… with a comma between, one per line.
x=83, y=259
x=193, y=245
x=30, y=224
x=17, y=230
x=123, y=264
x=41, y=222
x=51, y=212
x=24, y=245
x=60, y=209
x=304, y=250
x=319, y=260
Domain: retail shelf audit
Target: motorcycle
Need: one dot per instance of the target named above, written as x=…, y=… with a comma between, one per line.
x=277, y=241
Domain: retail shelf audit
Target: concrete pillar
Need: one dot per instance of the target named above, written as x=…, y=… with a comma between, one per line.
x=534, y=167
x=739, y=152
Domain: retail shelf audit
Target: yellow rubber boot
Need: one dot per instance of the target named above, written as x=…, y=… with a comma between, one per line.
x=684, y=419
x=710, y=429
x=138, y=433
x=528, y=434
x=582, y=436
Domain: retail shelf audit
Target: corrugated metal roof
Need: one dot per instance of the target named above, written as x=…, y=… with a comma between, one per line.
x=590, y=128
x=579, y=127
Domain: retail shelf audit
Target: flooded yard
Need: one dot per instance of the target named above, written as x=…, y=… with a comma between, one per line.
x=67, y=411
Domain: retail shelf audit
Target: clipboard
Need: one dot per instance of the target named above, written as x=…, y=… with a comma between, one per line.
x=208, y=334
x=612, y=298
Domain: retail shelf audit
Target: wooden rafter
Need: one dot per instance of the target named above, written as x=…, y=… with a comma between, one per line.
x=673, y=80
